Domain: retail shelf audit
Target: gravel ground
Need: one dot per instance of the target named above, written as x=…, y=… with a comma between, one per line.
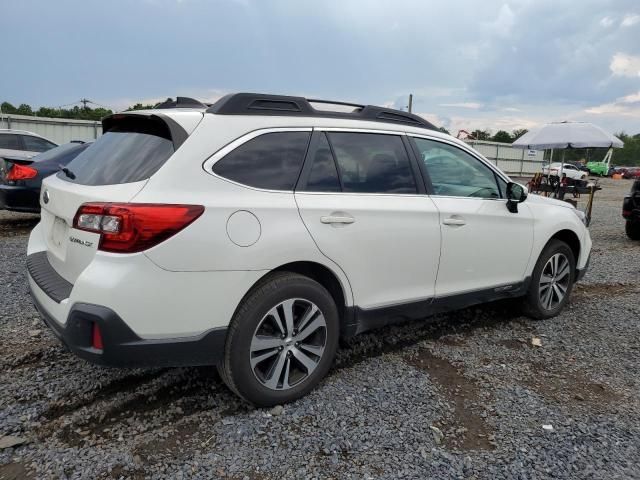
x=464, y=396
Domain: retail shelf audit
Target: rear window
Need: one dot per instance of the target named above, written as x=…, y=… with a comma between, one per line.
x=132, y=150
x=37, y=144
x=59, y=152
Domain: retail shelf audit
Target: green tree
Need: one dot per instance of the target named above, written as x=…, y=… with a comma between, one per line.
x=502, y=137
x=518, y=132
x=139, y=106
x=444, y=130
x=481, y=134
x=8, y=108
x=24, y=109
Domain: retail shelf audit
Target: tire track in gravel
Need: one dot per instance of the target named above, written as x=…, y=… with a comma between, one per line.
x=103, y=392
x=463, y=393
x=401, y=336
x=193, y=391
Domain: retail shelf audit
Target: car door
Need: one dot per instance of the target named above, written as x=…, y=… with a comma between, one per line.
x=572, y=171
x=483, y=245
x=363, y=201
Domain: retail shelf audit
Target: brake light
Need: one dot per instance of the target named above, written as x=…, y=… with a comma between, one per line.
x=21, y=172
x=96, y=337
x=134, y=227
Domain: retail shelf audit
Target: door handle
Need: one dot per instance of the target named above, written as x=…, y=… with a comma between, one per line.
x=337, y=219
x=454, y=221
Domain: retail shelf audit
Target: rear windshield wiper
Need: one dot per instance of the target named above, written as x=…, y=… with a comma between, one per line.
x=67, y=172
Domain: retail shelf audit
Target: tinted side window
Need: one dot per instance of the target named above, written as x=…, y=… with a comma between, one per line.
x=35, y=144
x=372, y=163
x=454, y=172
x=10, y=141
x=323, y=176
x=271, y=161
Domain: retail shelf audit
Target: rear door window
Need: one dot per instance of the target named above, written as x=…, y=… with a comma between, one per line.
x=323, y=176
x=372, y=163
x=132, y=150
x=271, y=161
x=10, y=141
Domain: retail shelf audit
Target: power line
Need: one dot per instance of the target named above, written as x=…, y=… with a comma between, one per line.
x=84, y=102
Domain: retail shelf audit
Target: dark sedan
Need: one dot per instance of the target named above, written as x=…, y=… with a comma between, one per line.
x=21, y=179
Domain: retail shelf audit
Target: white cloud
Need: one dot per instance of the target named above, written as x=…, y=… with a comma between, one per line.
x=629, y=105
x=504, y=22
x=606, y=22
x=630, y=20
x=625, y=65
x=633, y=98
x=471, y=105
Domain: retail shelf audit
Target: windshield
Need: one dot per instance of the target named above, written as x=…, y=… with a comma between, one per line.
x=131, y=151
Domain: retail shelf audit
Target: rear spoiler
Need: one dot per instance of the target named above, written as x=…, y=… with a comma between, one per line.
x=176, y=133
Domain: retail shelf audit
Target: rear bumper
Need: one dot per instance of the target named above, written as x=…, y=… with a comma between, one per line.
x=123, y=348
x=19, y=199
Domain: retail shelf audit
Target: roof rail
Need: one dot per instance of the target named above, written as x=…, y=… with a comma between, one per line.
x=180, y=102
x=283, y=105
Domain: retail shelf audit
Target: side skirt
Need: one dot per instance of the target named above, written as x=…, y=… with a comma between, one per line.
x=363, y=320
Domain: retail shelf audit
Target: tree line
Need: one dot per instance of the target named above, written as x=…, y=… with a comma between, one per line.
x=77, y=112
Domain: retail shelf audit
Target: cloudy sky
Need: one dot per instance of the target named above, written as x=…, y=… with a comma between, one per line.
x=470, y=64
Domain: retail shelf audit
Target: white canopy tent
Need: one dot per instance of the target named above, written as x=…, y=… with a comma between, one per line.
x=563, y=135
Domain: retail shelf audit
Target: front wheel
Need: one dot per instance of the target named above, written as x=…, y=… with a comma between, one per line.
x=282, y=340
x=632, y=229
x=551, y=281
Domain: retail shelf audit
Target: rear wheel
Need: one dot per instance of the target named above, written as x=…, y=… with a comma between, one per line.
x=632, y=228
x=281, y=341
x=551, y=282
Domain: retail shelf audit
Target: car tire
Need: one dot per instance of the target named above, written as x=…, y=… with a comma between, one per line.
x=550, y=286
x=289, y=365
x=632, y=229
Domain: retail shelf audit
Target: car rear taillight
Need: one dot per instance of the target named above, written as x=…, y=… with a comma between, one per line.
x=96, y=337
x=21, y=172
x=134, y=227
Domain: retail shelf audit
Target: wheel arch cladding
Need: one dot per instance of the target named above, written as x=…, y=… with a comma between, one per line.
x=570, y=238
x=324, y=276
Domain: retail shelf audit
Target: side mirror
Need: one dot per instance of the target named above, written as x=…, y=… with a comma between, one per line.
x=516, y=194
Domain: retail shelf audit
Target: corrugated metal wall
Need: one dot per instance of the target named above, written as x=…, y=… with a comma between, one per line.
x=515, y=161
x=58, y=130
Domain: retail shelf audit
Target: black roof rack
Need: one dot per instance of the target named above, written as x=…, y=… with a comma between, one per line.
x=283, y=105
x=180, y=102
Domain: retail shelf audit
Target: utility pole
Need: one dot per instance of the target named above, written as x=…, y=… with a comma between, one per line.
x=84, y=102
x=410, y=102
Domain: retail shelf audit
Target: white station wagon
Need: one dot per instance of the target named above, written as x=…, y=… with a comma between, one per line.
x=253, y=234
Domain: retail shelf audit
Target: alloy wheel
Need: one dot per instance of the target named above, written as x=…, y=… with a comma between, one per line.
x=288, y=344
x=554, y=281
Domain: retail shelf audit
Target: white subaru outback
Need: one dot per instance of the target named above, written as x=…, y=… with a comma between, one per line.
x=255, y=233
